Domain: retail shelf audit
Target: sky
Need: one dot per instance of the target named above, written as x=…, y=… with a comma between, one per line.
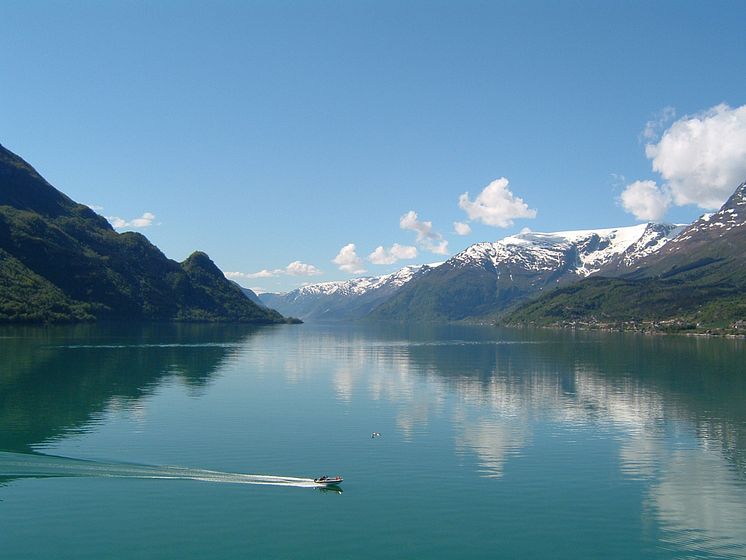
x=305, y=141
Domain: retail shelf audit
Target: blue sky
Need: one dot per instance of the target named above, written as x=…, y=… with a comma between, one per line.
x=273, y=135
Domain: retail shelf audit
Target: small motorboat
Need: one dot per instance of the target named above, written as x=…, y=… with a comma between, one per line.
x=328, y=480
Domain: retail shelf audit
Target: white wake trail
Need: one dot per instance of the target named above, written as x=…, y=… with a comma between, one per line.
x=29, y=465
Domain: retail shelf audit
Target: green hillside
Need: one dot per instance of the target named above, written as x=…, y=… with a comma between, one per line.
x=60, y=261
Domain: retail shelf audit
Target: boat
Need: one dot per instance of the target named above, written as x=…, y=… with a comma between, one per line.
x=328, y=480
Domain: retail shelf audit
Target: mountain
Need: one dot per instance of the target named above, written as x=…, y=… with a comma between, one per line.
x=345, y=300
x=699, y=278
x=488, y=278
x=714, y=239
x=251, y=294
x=60, y=261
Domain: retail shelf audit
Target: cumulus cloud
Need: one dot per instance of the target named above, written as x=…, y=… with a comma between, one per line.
x=496, y=205
x=646, y=200
x=295, y=268
x=390, y=256
x=426, y=238
x=146, y=220
x=348, y=261
x=701, y=159
x=461, y=228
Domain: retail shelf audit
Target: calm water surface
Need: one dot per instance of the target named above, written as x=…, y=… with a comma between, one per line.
x=145, y=442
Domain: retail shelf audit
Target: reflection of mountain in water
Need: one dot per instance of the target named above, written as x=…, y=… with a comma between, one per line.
x=628, y=380
x=675, y=404
x=54, y=380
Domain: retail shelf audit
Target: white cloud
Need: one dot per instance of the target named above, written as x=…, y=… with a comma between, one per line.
x=348, y=261
x=646, y=200
x=426, y=238
x=295, y=268
x=496, y=205
x=117, y=222
x=654, y=126
x=701, y=159
x=95, y=207
x=397, y=252
x=247, y=275
x=461, y=228
x=146, y=220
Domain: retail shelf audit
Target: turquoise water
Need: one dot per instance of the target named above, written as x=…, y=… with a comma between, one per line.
x=200, y=441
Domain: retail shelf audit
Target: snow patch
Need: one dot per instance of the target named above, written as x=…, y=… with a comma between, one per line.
x=583, y=251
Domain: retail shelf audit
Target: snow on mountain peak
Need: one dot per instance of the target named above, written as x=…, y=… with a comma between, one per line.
x=359, y=286
x=731, y=215
x=583, y=251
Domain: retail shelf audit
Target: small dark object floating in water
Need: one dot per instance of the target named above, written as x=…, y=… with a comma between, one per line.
x=329, y=480
x=375, y=434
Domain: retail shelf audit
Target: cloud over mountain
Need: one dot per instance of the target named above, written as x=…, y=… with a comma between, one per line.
x=461, y=228
x=395, y=253
x=646, y=200
x=348, y=260
x=295, y=268
x=496, y=205
x=426, y=238
x=700, y=158
x=146, y=220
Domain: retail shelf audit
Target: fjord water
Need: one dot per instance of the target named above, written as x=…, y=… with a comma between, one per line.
x=146, y=442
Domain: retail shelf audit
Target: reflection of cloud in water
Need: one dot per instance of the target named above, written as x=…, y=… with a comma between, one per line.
x=495, y=394
x=343, y=383
x=501, y=427
x=701, y=504
x=695, y=493
x=493, y=440
x=415, y=400
x=639, y=455
x=621, y=403
x=135, y=409
x=413, y=418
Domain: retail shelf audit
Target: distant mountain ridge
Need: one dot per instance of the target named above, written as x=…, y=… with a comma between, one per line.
x=342, y=300
x=682, y=274
x=487, y=279
x=60, y=261
x=484, y=279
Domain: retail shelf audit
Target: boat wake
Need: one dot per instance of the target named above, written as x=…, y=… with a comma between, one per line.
x=33, y=465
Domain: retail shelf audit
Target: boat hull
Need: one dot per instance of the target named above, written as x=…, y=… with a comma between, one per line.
x=336, y=481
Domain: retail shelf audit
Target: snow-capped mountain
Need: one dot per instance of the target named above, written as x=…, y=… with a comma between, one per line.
x=581, y=252
x=728, y=222
x=480, y=280
x=696, y=280
x=358, y=286
x=713, y=237
x=343, y=300
x=487, y=278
